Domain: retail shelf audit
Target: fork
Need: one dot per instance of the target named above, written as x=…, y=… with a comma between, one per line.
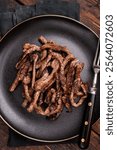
x=84, y=138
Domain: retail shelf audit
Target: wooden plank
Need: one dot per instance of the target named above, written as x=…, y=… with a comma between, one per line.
x=25, y=148
x=3, y=134
x=27, y=2
x=90, y=14
x=96, y=127
x=94, y=142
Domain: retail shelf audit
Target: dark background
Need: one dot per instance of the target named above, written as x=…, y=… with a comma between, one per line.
x=89, y=15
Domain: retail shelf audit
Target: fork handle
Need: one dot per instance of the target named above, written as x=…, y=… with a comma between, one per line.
x=84, y=138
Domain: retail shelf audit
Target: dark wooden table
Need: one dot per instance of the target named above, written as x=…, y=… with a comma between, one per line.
x=90, y=15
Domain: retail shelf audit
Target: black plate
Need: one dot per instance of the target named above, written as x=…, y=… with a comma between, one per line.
x=82, y=43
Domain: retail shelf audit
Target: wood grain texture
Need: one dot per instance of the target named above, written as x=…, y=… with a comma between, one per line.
x=3, y=134
x=90, y=15
x=96, y=127
x=27, y=2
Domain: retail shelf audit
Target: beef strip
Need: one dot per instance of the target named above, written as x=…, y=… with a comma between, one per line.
x=42, y=40
x=31, y=48
x=20, y=75
x=43, y=82
x=62, y=71
x=21, y=62
x=53, y=99
x=43, y=54
x=55, y=47
x=35, y=58
x=70, y=75
x=34, y=102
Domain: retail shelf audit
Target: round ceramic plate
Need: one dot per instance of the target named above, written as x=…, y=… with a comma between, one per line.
x=80, y=40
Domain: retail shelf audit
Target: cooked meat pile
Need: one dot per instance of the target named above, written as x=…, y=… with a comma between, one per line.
x=51, y=79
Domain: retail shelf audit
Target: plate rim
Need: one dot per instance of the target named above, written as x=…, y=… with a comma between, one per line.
x=10, y=30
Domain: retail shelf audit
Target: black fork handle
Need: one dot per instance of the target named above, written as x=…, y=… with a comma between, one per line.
x=84, y=138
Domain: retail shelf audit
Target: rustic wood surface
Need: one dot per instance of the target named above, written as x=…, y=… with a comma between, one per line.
x=27, y=2
x=90, y=16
